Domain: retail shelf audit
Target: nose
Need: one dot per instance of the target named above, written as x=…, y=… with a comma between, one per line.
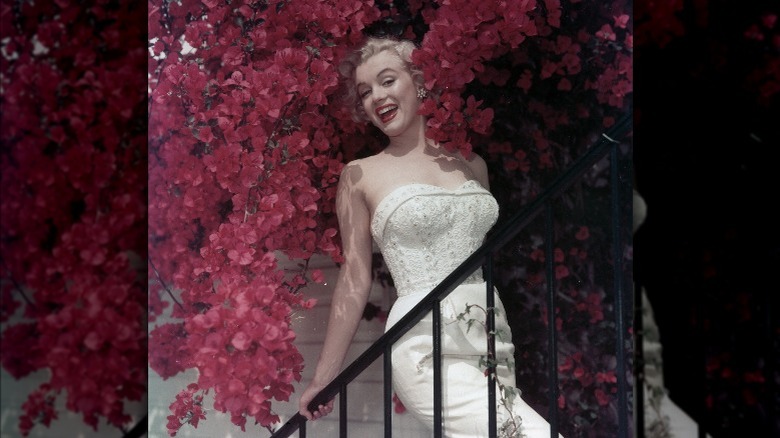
x=378, y=94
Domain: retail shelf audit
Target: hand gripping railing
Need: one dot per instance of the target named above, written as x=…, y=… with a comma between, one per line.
x=608, y=143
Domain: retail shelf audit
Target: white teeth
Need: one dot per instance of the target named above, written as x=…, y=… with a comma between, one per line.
x=387, y=110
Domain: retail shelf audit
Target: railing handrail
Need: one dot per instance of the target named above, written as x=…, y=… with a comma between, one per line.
x=496, y=240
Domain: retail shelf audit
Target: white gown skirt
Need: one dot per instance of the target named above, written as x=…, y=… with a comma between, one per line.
x=464, y=384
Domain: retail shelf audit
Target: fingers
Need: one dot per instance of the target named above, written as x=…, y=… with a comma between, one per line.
x=326, y=409
x=322, y=410
x=306, y=413
x=303, y=410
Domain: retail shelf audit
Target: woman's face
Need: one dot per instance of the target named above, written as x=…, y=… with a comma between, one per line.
x=388, y=93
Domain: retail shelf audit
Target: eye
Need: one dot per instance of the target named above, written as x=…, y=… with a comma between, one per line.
x=388, y=82
x=363, y=94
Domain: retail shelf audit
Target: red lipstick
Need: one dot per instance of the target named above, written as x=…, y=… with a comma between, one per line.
x=387, y=112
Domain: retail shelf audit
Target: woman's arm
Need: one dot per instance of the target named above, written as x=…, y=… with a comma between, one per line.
x=352, y=287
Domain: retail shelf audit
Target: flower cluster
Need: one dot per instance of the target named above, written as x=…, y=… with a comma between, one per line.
x=461, y=39
x=243, y=168
x=74, y=208
x=573, y=79
x=763, y=79
x=188, y=408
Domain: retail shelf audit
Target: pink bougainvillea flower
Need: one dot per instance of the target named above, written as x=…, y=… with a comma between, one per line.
x=602, y=397
x=606, y=33
x=398, y=405
x=621, y=21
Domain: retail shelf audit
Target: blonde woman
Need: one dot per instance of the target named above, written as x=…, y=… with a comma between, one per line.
x=428, y=210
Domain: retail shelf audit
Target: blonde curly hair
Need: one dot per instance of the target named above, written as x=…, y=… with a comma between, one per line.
x=372, y=46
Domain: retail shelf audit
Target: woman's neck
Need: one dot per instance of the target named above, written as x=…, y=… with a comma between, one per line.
x=411, y=141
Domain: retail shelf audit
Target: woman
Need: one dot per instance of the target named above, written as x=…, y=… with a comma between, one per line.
x=428, y=210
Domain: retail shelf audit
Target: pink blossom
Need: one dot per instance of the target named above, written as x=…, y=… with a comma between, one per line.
x=606, y=33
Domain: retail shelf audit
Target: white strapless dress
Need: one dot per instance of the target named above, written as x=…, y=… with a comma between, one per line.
x=424, y=232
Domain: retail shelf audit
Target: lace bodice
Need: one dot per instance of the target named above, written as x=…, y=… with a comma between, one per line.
x=426, y=231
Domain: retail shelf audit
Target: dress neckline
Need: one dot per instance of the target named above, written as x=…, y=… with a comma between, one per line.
x=466, y=184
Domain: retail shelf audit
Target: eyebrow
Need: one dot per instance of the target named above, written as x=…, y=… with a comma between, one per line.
x=377, y=75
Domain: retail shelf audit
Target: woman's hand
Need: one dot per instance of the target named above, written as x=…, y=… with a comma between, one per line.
x=307, y=396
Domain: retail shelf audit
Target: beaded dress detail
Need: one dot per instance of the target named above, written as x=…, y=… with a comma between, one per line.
x=424, y=232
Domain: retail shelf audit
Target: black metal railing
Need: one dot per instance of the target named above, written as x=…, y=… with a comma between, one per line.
x=483, y=257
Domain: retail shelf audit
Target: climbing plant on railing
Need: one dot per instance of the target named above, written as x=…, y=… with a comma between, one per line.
x=505, y=393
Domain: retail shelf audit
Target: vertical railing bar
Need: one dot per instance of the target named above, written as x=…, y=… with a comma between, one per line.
x=639, y=363
x=437, y=389
x=490, y=303
x=388, y=390
x=302, y=430
x=701, y=384
x=552, y=341
x=343, y=411
x=617, y=257
x=771, y=366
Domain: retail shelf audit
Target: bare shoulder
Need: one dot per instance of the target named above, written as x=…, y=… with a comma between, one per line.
x=478, y=167
x=351, y=173
x=355, y=172
x=361, y=176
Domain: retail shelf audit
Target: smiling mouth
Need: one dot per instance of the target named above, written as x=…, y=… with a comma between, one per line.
x=386, y=112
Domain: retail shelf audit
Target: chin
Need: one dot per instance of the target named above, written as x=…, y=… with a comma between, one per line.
x=387, y=130
x=392, y=132
x=394, y=129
